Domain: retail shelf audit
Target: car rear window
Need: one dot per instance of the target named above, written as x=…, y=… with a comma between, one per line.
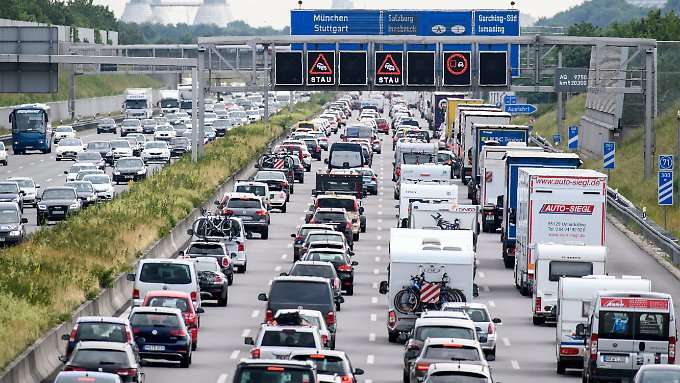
x=257, y=190
x=300, y=293
x=329, y=217
x=325, y=364
x=324, y=257
x=418, y=158
x=155, y=319
x=170, y=273
x=313, y=271
x=457, y=377
x=274, y=374
x=243, y=203
x=205, y=249
x=287, y=338
x=101, y=331
x=560, y=269
x=633, y=325
x=88, y=357
x=339, y=203
x=174, y=303
x=452, y=352
x=323, y=237
x=424, y=332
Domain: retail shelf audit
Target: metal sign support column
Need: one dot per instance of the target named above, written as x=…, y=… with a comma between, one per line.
x=194, y=114
x=200, y=81
x=649, y=112
x=560, y=97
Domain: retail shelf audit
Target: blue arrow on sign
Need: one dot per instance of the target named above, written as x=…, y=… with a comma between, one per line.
x=666, y=188
x=573, y=138
x=609, y=155
x=520, y=109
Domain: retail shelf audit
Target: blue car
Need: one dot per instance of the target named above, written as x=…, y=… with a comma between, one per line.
x=160, y=333
x=369, y=180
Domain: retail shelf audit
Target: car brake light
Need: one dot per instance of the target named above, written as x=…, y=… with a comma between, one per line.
x=374, y=178
x=422, y=366
x=491, y=329
x=336, y=283
x=178, y=332
x=311, y=220
x=217, y=279
x=135, y=294
x=398, y=171
x=593, y=347
x=671, y=350
x=136, y=330
x=225, y=261
x=241, y=247
x=255, y=354
x=330, y=318
x=71, y=368
x=347, y=379
x=538, y=304
x=127, y=371
x=324, y=339
x=345, y=268
x=261, y=213
x=317, y=356
x=194, y=296
x=273, y=368
x=129, y=336
x=74, y=332
x=269, y=316
x=391, y=318
x=227, y=212
x=348, y=224
x=568, y=351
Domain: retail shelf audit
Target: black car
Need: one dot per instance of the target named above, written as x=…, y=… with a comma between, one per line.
x=179, y=146
x=338, y=219
x=129, y=169
x=211, y=281
x=57, y=203
x=103, y=148
x=85, y=191
x=216, y=250
x=298, y=170
x=111, y=357
x=10, y=192
x=313, y=147
x=12, y=228
x=221, y=126
x=344, y=266
x=321, y=270
x=106, y=125
x=254, y=370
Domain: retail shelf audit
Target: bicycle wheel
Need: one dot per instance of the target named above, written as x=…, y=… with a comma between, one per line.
x=406, y=301
x=448, y=294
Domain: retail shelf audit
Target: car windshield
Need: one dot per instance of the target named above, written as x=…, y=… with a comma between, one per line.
x=156, y=145
x=340, y=203
x=59, y=194
x=287, y=338
x=358, y=132
x=274, y=374
x=170, y=302
x=300, y=293
x=131, y=123
x=453, y=352
x=254, y=189
x=81, y=186
x=129, y=163
x=313, y=271
x=324, y=217
x=346, y=158
x=424, y=332
x=108, y=121
x=70, y=142
x=326, y=364
x=9, y=216
x=98, y=357
x=179, y=142
x=164, y=128
x=660, y=376
x=24, y=183
x=101, y=331
x=155, y=320
x=63, y=129
x=456, y=377
x=239, y=203
x=9, y=188
x=98, y=146
x=97, y=179
x=79, y=167
x=205, y=249
x=89, y=156
x=265, y=175
x=168, y=273
x=418, y=158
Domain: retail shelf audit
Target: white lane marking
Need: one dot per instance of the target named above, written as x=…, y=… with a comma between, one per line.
x=255, y=313
x=379, y=206
x=222, y=378
x=515, y=364
x=486, y=289
x=21, y=167
x=48, y=180
x=481, y=274
x=378, y=247
x=245, y=333
x=289, y=245
x=270, y=282
x=379, y=238
x=380, y=213
x=284, y=256
x=370, y=359
x=375, y=285
x=492, y=304
x=368, y=381
x=371, y=337
x=376, y=271
x=380, y=200
x=374, y=300
x=32, y=164
x=379, y=228
x=278, y=268
x=234, y=354
x=43, y=160
x=374, y=317
x=506, y=342
x=377, y=259
x=380, y=220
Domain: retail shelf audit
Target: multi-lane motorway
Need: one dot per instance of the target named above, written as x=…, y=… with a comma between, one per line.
x=524, y=351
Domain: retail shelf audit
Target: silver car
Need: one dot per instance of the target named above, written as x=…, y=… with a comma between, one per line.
x=658, y=373
x=486, y=327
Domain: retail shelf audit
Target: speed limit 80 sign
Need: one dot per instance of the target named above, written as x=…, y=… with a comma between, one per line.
x=456, y=69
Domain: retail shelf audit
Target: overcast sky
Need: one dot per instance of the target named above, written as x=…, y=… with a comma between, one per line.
x=275, y=12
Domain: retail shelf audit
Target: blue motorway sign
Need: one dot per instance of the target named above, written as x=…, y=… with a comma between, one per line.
x=520, y=109
x=665, y=193
x=665, y=162
x=557, y=139
x=509, y=99
x=502, y=136
x=573, y=138
x=609, y=155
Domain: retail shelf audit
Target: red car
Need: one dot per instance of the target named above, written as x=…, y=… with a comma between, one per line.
x=181, y=301
x=383, y=126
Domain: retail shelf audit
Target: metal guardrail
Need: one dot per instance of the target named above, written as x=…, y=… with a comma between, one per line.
x=630, y=213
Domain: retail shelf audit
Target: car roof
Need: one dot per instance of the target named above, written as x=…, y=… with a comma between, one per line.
x=164, y=260
x=94, y=376
x=452, y=322
x=102, y=319
x=336, y=353
x=326, y=250
x=444, y=314
x=8, y=205
x=98, y=345
x=275, y=327
x=335, y=196
x=301, y=311
x=313, y=263
x=462, y=367
x=472, y=305
x=321, y=226
x=242, y=195
x=255, y=183
x=328, y=231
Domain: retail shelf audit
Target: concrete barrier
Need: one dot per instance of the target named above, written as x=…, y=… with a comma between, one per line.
x=41, y=360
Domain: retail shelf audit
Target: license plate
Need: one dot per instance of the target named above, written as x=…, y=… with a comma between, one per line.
x=489, y=218
x=128, y=177
x=614, y=358
x=246, y=218
x=153, y=347
x=57, y=212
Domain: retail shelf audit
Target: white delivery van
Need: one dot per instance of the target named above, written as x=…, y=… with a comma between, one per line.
x=626, y=330
x=426, y=192
x=492, y=182
x=413, y=153
x=441, y=260
x=574, y=298
x=559, y=206
x=469, y=118
x=556, y=261
x=422, y=172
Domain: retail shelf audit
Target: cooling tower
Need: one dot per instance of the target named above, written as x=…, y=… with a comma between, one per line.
x=137, y=11
x=213, y=12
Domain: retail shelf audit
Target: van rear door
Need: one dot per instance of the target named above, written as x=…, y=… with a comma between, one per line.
x=616, y=344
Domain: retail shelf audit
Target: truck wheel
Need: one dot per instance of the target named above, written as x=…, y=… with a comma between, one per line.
x=539, y=321
x=560, y=368
x=283, y=208
x=349, y=290
x=265, y=233
x=392, y=336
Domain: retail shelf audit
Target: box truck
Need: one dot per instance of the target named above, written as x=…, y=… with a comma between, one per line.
x=441, y=258
x=470, y=118
x=169, y=102
x=435, y=114
x=514, y=160
x=574, y=299
x=559, y=206
x=138, y=103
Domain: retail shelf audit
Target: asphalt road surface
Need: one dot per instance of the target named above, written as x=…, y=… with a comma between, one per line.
x=525, y=352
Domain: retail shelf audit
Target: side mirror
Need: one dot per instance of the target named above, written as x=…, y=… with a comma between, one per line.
x=37, y=186
x=22, y=192
x=283, y=274
x=249, y=341
x=342, y=136
x=358, y=371
x=262, y=297
x=497, y=320
x=62, y=359
x=580, y=330
x=257, y=166
x=340, y=299
x=180, y=254
x=475, y=290
x=65, y=171
x=24, y=220
x=200, y=310
x=190, y=231
x=325, y=161
x=293, y=235
x=131, y=277
x=384, y=287
x=355, y=263
x=483, y=339
x=65, y=337
x=351, y=253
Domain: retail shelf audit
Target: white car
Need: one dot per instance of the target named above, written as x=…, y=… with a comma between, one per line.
x=183, y=117
x=165, y=132
x=156, y=151
x=209, y=118
x=72, y=172
x=102, y=185
x=121, y=148
x=254, y=115
x=314, y=318
x=281, y=341
x=29, y=187
x=239, y=115
x=69, y=148
x=63, y=131
x=130, y=125
x=3, y=154
x=479, y=313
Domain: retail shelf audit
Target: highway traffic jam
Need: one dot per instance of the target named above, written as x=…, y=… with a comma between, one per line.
x=379, y=241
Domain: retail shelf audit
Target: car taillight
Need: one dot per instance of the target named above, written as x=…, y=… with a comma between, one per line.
x=391, y=318
x=268, y=316
x=348, y=225
x=194, y=296
x=261, y=213
x=317, y=149
x=284, y=184
x=126, y=371
x=225, y=261
x=491, y=329
x=324, y=339
x=422, y=366
x=538, y=304
x=178, y=332
x=217, y=279
x=305, y=154
x=241, y=247
x=336, y=283
x=374, y=178
x=345, y=268
x=227, y=212
x=189, y=318
x=568, y=351
x=255, y=353
x=71, y=368
x=74, y=332
x=671, y=350
x=593, y=347
x=398, y=171
x=347, y=379
x=330, y=318
x=129, y=336
x=311, y=220
x=136, y=330
x=135, y=294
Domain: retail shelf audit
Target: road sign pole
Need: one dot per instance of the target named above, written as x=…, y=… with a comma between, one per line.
x=649, y=113
x=560, y=104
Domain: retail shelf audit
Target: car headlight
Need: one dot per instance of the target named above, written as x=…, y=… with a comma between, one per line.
x=141, y=172
x=74, y=206
x=116, y=173
x=15, y=233
x=91, y=197
x=42, y=207
x=108, y=154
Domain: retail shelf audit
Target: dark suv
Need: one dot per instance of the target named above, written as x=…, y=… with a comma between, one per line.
x=57, y=203
x=103, y=148
x=12, y=228
x=337, y=218
x=251, y=210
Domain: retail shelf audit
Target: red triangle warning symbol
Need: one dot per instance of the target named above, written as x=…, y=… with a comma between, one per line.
x=321, y=66
x=389, y=67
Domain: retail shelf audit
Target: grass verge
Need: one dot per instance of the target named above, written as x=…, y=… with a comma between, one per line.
x=44, y=279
